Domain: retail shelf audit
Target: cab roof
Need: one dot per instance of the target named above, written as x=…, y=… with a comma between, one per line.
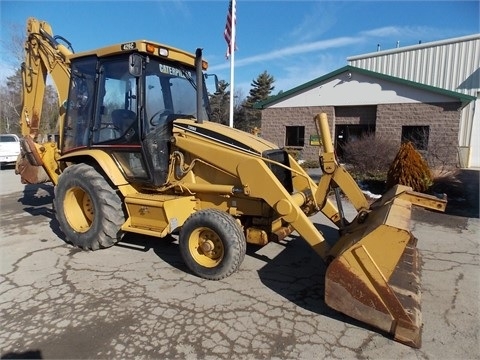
x=146, y=47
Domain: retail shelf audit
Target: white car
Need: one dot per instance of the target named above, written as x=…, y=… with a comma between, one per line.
x=9, y=149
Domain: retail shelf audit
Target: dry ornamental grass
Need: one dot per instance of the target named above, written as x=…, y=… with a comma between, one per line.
x=409, y=169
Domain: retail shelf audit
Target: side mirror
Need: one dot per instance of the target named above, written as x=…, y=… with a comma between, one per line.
x=135, y=65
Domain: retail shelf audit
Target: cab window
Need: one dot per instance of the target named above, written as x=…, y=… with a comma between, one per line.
x=80, y=103
x=116, y=114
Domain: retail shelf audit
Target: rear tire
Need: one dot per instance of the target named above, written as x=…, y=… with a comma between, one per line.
x=212, y=244
x=88, y=209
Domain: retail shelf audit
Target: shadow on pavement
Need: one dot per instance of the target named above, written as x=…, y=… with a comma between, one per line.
x=30, y=354
x=37, y=200
x=165, y=248
x=462, y=192
x=298, y=274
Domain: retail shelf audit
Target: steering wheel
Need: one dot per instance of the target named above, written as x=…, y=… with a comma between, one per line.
x=162, y=115
x=109, y=126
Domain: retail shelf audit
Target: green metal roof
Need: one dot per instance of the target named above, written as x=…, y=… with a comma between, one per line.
x=463, y=98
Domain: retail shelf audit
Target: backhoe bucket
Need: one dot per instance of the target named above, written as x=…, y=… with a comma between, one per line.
x=374, y=275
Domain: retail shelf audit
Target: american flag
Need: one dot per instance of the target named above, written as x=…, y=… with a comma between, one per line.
x=231, y=22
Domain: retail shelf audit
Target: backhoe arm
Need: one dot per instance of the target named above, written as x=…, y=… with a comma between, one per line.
x=43, y=56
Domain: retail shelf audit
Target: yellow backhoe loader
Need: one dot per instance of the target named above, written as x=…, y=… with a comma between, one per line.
x=136, y=153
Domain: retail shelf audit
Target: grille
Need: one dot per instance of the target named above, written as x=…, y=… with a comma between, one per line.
x=282, y=174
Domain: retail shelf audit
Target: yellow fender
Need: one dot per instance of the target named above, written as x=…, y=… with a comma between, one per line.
x=106, y=163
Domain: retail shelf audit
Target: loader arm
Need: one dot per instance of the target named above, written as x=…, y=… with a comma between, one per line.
x=259, y=182
x=43, y=56
x=373, y=267
x=337, y=178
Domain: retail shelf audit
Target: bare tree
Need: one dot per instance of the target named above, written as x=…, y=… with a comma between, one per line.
x=369, y=157
x=14, y=43
x=10, y=106
x=11, y=89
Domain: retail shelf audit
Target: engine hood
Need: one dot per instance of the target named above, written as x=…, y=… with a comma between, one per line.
x=224, y=135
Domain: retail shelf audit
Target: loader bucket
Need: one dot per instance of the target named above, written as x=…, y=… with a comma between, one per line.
x=374, y=268
x=374, y=275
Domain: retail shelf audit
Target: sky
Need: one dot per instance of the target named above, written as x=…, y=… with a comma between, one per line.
x=293, y=41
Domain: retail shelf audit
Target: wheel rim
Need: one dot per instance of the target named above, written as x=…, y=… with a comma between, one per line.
x=206, y=247
x=78, y=207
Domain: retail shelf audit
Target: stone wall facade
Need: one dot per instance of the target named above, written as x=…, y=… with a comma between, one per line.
x=275, y=120
x=355, y=115
x=443, y=120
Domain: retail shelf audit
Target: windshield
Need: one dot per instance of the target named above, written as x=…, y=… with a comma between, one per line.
x=8, y=138
x=170, y=92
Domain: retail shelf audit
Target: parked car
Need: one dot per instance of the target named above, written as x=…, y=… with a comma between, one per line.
x=9, y=149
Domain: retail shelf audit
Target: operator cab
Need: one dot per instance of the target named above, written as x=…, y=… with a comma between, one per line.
x=125, y=105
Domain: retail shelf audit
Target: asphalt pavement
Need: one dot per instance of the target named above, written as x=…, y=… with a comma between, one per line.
x=137, y=300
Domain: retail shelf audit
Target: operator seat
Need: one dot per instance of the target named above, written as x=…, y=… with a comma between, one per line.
x=122, y=119
x=158, y=143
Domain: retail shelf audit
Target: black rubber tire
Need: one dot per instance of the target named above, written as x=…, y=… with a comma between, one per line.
x=228, y=237
x=88, y=210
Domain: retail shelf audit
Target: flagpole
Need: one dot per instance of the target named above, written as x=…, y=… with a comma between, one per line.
x=232, y=60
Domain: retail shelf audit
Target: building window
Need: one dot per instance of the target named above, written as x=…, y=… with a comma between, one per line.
x=295, y=136
x=345, y=134
x=417, y=135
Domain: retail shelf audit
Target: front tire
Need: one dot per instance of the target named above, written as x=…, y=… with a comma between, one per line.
x=212, y=244
x=88, y=209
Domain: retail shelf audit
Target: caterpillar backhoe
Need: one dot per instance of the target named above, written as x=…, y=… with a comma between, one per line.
x=136, y=153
